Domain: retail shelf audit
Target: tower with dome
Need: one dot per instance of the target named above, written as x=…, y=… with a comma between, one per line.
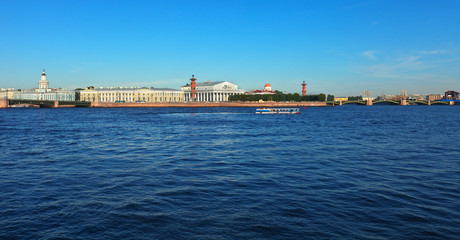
x=268, y=87
x=43, y=92
x=43, y=83
x=267, y=90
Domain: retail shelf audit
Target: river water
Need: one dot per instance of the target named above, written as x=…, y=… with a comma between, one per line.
x=350, y=172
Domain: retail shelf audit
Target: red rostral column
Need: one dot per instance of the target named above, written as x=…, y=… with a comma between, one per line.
x=193, y=79
x=304, y=91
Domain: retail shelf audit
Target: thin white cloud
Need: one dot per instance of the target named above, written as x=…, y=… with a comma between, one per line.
x=370, y=54
x=432, y=52
x=408, y=67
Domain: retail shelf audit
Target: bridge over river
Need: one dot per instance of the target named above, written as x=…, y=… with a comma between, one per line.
x=395, y=102
x=5, y=103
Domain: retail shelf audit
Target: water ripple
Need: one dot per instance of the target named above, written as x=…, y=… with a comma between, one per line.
x=210, y=173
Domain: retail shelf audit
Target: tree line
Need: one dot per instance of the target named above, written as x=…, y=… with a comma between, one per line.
x=355, y=98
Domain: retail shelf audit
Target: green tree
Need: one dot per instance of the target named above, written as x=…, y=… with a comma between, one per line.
x=322, y=97
x=266, y=97
x=296, y=97
x=355, y=98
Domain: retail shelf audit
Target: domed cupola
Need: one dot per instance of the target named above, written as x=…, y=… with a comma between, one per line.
x=43, y=84
x=268, y=87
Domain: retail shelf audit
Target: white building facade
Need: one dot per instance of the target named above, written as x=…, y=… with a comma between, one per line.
x=211, y=91
x=45, y=93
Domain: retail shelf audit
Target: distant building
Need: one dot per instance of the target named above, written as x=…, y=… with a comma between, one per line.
x=434, y=97
x=393, y=97
x=211, y=91
x=45, y=93
x=7, y=93
x=119, y=94
x=338, y=99
x=416, y=97
x=267, y=90
x=451, y=95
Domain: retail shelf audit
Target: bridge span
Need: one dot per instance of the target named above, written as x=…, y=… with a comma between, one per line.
x=6, y=103
x=402, y=102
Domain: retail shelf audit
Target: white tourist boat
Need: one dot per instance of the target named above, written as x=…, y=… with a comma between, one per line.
x=277, y=111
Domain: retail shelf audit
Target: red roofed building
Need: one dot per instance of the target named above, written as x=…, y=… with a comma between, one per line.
x=267, y=90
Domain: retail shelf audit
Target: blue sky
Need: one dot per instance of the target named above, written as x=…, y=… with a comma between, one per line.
x=337, y=47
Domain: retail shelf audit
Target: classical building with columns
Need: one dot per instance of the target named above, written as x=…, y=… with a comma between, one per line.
x=121, y=95
x=211, y=91
x=43, y=92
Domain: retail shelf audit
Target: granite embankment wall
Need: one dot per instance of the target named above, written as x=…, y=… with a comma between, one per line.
x=213, y=104
x=4, y=103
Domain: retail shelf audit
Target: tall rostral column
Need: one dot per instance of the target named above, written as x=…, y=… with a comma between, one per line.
x=304, y=90
x=193, y=79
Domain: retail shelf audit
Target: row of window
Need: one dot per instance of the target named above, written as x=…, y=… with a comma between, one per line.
x=144, y=99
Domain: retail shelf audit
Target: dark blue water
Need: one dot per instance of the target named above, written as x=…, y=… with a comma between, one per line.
x=350, y=172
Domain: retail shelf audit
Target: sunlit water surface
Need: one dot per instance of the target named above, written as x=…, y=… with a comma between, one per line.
x=350, y=172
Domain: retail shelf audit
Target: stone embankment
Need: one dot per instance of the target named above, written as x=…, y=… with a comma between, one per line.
x=212, y=104
x=4, y=103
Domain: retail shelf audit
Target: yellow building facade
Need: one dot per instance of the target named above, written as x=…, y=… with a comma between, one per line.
x=7, y=93
x=338, y=99
x=147, y=95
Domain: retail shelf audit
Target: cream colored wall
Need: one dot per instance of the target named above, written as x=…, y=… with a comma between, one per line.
x=156, y=96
